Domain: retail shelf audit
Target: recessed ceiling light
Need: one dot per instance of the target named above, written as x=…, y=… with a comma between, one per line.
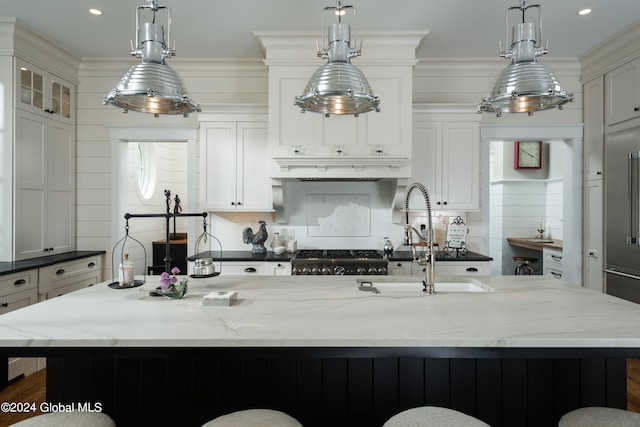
x=95, y=11
x=585, y=11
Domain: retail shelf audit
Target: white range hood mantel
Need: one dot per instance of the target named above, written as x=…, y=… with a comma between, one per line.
x=305, y=145
x=350, y=162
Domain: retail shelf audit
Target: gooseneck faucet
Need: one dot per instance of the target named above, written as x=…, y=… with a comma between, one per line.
x=427, y=258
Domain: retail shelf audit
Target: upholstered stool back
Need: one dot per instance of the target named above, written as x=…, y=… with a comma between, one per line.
x=600, y=417
x=68, y=419
x=433, y=416
x=254, y=418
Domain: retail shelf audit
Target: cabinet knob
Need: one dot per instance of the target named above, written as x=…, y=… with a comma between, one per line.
x=19, y=282
x=239, y=203
x=250, y=270
x=444, y=203
x=438, y=203
x=233, y=203
x=471, y=269
x=399, y=264
x=5, y=304
x=636, y=109
x=599, y=173
x=59, y=272
x=91, y=264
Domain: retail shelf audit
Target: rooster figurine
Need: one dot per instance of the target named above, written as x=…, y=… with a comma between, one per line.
x=256, y=239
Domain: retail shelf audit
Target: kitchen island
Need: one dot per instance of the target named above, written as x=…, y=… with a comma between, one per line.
x=328, y=353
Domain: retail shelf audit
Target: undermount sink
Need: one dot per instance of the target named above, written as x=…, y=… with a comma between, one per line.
x=392, y=288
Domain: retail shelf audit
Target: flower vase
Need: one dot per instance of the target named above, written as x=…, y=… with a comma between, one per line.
x=176, y=291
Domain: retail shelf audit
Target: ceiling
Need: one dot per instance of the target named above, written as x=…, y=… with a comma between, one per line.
x=223, y=29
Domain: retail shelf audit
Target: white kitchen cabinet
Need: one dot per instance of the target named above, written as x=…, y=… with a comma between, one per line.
x=593, y=251
x=40, y=92
x=463, y=268
x=38, y=149
x=593, y=192
x=310, y=145
x=446, y=159
x=317, y=135
x=257, y=268
x=552, y=262
x=593, y=112
x=443, y=268
x=253, y=268
x=399, y=268
x=622, y=90
x=64, y=277
x=19, y=290
x=44, y=186
x=233, y=171
x=280, y=268
x=457, y=268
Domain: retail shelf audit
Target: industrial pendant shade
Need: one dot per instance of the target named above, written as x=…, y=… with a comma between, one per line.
x=525, y=85
x=151, y=86
x=338, y=87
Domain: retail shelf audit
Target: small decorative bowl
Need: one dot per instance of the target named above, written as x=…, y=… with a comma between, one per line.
x=279, y=250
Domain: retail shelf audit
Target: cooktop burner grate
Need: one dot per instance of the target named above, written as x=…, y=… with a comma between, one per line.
x=361, y=254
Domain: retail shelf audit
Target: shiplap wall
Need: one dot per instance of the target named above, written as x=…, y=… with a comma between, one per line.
x=226, y=81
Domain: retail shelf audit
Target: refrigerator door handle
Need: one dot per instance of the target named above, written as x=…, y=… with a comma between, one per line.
x=620, y=273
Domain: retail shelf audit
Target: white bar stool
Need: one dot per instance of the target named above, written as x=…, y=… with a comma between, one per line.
x=433, y=416
x=68, y=419
x=594, y=416
x=254, y=418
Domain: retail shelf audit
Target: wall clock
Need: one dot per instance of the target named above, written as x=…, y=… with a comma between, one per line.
x=527, y=155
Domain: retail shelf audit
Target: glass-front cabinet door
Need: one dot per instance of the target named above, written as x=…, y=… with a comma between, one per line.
x=43, y=93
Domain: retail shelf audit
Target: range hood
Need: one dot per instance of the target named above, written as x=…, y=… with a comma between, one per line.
x=310, y=146
x=392, y=191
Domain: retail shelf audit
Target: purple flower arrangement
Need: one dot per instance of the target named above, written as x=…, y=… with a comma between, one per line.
x=168, y=281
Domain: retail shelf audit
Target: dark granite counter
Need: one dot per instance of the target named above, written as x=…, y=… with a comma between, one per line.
x=243, y=256
x=286, y=257
x=440, y=256
x=9, y=267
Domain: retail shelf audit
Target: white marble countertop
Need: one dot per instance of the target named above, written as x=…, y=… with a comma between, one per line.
x=303, y=311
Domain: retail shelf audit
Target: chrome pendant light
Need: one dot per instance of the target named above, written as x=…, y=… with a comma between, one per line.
x=338, y=87
x=525, y=85
x=151, y=86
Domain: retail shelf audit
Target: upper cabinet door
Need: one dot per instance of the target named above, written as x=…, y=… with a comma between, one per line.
x=43, y=93
x=593, y=128
x=622, y=89
x=233, y=166
x=460, y=165
x=446, y=159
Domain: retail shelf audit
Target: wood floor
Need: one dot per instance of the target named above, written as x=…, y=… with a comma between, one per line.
x=32, y=389
x=29, y=390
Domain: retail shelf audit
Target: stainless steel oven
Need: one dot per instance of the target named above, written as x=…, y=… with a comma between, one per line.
x=339, y=262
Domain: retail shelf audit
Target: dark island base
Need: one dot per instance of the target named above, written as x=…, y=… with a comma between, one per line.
x=333, y=387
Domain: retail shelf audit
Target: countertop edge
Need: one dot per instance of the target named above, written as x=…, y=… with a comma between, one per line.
x=9, y=267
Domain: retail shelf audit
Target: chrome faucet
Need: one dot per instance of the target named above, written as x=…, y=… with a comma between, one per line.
x=427, y=257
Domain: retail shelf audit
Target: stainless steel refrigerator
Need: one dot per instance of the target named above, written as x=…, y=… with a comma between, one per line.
x=622, y=214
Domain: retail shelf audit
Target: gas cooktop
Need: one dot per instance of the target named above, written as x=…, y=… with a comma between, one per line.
x=338, y=262
x=361, y=254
